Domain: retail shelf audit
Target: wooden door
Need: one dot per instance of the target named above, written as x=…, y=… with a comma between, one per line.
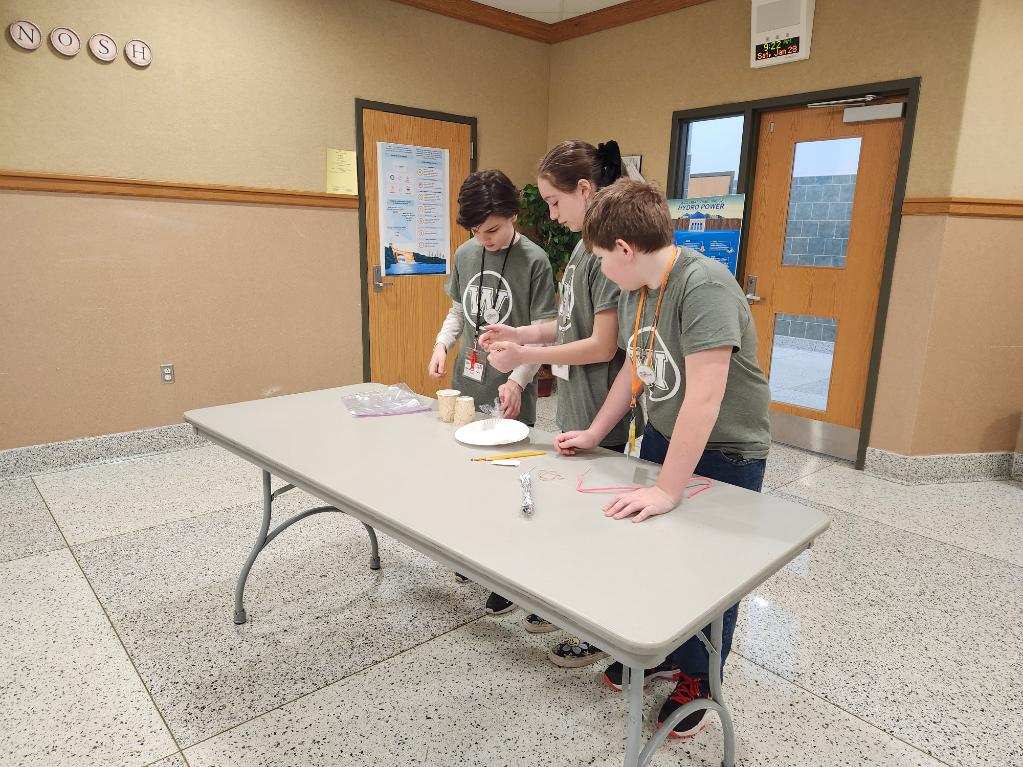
x=404, y=313
x=821, y=204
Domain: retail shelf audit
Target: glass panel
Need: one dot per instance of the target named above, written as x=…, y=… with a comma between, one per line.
x=711, y=164
x=820, y=202
x=804, y=347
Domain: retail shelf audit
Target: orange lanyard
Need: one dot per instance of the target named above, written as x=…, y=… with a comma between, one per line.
x=637, y=382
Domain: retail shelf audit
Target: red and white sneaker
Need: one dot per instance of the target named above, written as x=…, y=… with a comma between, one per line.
x=688, y=689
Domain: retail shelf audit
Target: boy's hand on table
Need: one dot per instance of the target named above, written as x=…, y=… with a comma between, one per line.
x=571, y=441
x=644, y=503
x=494, y=333
x=511, y=398
x=506, y=355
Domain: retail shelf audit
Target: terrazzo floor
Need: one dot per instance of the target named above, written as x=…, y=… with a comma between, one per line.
x=894, y=641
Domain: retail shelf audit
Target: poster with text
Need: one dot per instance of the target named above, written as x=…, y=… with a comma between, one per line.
x=710, y=225
x=415, y=231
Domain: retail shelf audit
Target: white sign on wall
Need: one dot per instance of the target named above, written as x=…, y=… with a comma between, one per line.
x=65, y=41
x=138, y=53
x=25, y=34
x=103, y=47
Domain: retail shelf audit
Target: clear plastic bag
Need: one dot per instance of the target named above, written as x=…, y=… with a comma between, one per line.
x=384, y=400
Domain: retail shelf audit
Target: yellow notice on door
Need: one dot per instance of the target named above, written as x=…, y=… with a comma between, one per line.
x=341, y=172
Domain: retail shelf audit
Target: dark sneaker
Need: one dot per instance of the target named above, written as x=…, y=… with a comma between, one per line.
x=534, y=624
x=613, y=675
x=688, y=688
x=575, y=654
x=498, y=605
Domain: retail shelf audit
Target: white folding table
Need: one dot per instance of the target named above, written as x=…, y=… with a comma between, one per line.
x=637, y=591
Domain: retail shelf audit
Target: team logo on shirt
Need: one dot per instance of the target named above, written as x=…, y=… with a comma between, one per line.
x=567, y=303
x=667, y=376
x=499, y=300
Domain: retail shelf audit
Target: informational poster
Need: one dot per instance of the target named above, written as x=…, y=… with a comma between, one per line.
x=342, y=177
x=415, y=231
x=710, y=225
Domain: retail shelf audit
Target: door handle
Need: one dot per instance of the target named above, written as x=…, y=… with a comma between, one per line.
x=751, y=289
x=378, y=281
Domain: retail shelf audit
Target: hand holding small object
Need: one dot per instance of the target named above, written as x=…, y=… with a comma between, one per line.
x=494, y=333
x=437, y=361
x=506, y=356
x=511, y=398
x=571, y=441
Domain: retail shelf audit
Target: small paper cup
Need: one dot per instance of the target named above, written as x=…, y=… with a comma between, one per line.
x=446, y=404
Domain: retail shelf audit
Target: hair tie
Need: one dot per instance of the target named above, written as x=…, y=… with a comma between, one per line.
x=610, y=158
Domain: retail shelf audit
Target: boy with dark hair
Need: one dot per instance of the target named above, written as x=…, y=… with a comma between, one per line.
x=498, y=276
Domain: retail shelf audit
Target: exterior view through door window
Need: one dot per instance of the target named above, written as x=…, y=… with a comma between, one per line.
x=712, y=157
x=820, y=202
x=804, y=347
x=816, y=234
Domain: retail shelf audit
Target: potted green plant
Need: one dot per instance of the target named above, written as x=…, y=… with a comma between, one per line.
x=558, y=241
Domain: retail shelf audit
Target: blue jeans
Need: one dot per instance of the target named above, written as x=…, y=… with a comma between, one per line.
x=692, y=657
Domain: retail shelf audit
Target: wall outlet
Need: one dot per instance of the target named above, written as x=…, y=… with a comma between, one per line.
x=167, y=372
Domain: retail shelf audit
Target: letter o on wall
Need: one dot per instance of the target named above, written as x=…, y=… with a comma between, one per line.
x=65, y=41
x=25, y=35
x=138, y=53
x=103, y=47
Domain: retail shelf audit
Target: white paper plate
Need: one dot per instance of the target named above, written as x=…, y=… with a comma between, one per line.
x=492, y=432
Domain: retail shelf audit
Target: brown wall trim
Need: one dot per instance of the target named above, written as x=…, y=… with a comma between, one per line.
x=962, y=206
x=169, y=190
x=485, y=16
x=512, y=23
x=615, y=16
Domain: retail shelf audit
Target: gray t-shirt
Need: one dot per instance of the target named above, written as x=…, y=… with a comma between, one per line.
x=585, y=291
x=522, y=296
x=703, y=308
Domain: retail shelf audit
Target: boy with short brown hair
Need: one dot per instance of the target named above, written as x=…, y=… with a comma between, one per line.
x=691, y=345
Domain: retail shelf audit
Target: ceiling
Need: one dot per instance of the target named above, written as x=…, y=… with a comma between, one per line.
x=550, y=11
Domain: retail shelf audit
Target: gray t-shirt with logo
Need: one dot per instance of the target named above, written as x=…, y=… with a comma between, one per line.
x=525, y=295
x=703, y=308
x=585, y=291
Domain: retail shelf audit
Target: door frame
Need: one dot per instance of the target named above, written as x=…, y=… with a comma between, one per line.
x=379, y=106
x=751, y=112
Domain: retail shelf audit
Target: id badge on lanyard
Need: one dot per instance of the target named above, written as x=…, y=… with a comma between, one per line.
x=475, y=364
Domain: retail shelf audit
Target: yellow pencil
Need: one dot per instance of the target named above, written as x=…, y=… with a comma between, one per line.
x=507, y=456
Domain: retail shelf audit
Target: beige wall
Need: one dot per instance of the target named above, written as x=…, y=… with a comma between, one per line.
x=247, y=301
x=625, y=83
x=951, y=377
x=907, y=331
x=251, y=92
x=989, y=161
x=951, y=359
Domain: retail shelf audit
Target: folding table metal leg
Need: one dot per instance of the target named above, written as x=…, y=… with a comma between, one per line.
x=266, y=536
x=632, y=686
x=239, y=590
x=716, y=703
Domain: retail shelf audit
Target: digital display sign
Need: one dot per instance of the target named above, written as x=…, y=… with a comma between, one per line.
x=773, y=49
